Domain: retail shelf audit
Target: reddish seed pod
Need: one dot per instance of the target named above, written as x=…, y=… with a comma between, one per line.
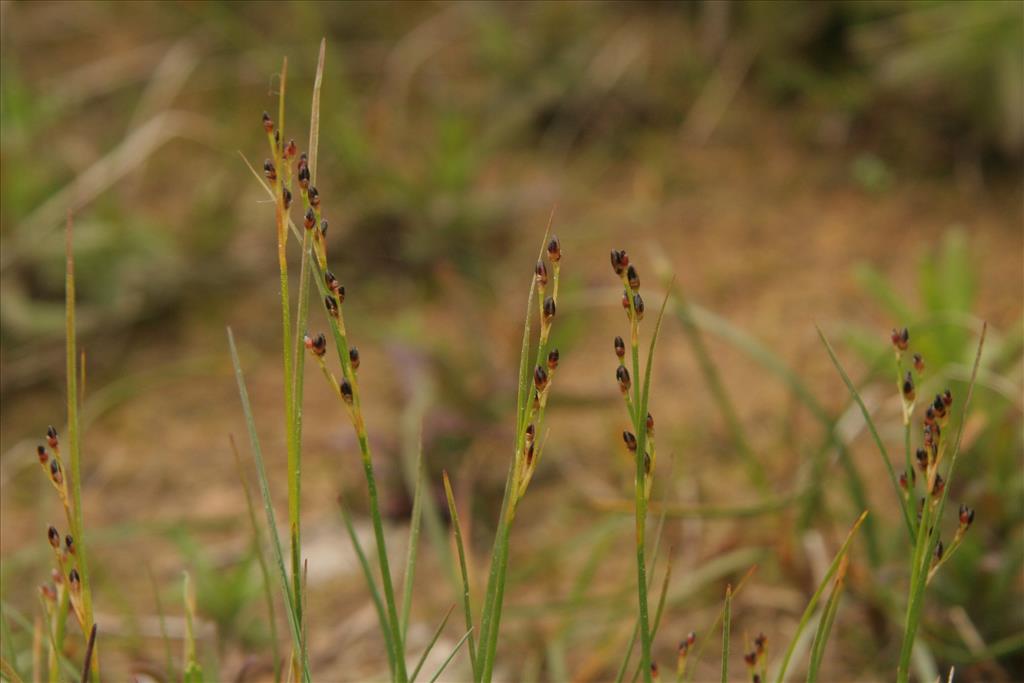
x=531, y=430
x=650, y=425
x=947, y=398
x=53, y=536
x=908, y=387
x=269, y=172
x=51, y=436
x=750, y=658
x=638, y=306
x=74, y=580
x=625, y=302
x=314, y=197
x=647, y=463
x=691, y=638
x=318, y=344
x=529, y=454
x=56, y=577
x=922, y=458
x=69, y=544
x=331, y=281
x=48, y=593
x=553, y=360
x=323, y=228
x=554, y=249
x=633, y=278
x=540, y=378
x=620, y=261
x=290, y=150
x=309, y=220
x=268, y=124
x=940, y=550
x=332, y=305
x=654, y=671
x=756, y=678
x=43, y=455
x=620, y=347
x=938, y=486
x=900, y=338
x=541, y=273
x=918, y=363
x=353, y=357
x=630, y=440
x=303, y=161
x=966, y=516
x=286, y=194
x=346, y=391
x=760, y=642
x=622, y=374
x=55, y=473
x=549, y=308
x=303, y=176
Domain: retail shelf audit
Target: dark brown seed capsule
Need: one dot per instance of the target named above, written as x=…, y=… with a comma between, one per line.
x=638, y=306
x=69, y=544
x=625, y=302
x=966, y=516
x=750, y=658
x=332, y=305
x=947, y=398
x=756, y=678
x=314, y=197
x=303, y=161
x=290, y=150
x=74, y=580
x=43, y=455
x=268, y=124
x=908, y=387
x=540, y=378
x=647, y=463
x=900, y=338
x=633, y=278
x=309, y=220
x=346, y=391
x=530, y=431
x=541, y=273
x=277, y=139
x=286, y=194
x=269, y=171
x=940, y=406
x=918, y=363
x=55, y=473
x=53, y=536
x=922, y=458
x=760, y=642
x=554, y=249
x=620, y=261
x=303, y=176
x=654, y=670
x=553, y=360
x=51, y=436
x=323, y=228
x=938, y=486
x=650, y=425
x=331, y=281
x=549, y=308
x=620, y=347
x=691, y=638
x=906, y=482
x=529, y=455
x=622, y=374
x=629, y=440
x=940, y=550
x=929, y=415
x=353, y=357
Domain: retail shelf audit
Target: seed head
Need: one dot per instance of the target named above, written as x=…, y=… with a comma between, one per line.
x=554, y=249
x=633, y=278
x=625, y=302
x=290, y=150
x=939, y=551
x=650, y=425
x=309, y=220
x=938, y=486
x=620, y=261
x=332, y=305
x=630, y=441
x=620, y=347
x=43, y=455
x=922, y=459
x=654, y=671
x=323, y=228
x=69, y=544
x=900, y=338
x=51, y=436
x=647, y=463
x=268, y=124
x=947, y=398
x=531, y=430
x=908, y=387
x=269, y=172
x=303, y=161
x=286, y=194
x=622, y=374
x=966, y=516
x=346, y=391
x=638, y=306
x=549, y=308
x=314, y=197
x=940, y=406
x=303, y=176
x=541, y=272
x=318, y=344
x=48, y=593
x=918, y=363
x=553, y=360
x=760, y=642
x=55, y=473
x=750, y=658
x=540, y=378
x=53, y=536
x=353, y=357
x=74, y=580
x=907, y=482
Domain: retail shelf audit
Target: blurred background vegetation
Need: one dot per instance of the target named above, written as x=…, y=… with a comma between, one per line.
x=854, y=163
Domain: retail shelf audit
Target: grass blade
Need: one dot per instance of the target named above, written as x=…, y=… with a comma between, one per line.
x=466, y=605
x=163, y=621
x=264, y=572
x=268, y=507
x=726, y=625
x=828, y=617
x=444, y=664
x=430, y=645
x=871, y=427
x=89, y=649
x=370, y=584
x=809, y=612
x=414, y=536
x=661, y=606
x=193, y=671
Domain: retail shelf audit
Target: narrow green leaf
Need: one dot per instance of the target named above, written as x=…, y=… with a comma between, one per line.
x=444, y=664
x=430, y=645
x=414, y=536
x=268, y=507
x=370, y=583
x=828, y=617
x=90, y=649
x=466, y=605
x=661, y=605
x=726, y=627
x=809, y=612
